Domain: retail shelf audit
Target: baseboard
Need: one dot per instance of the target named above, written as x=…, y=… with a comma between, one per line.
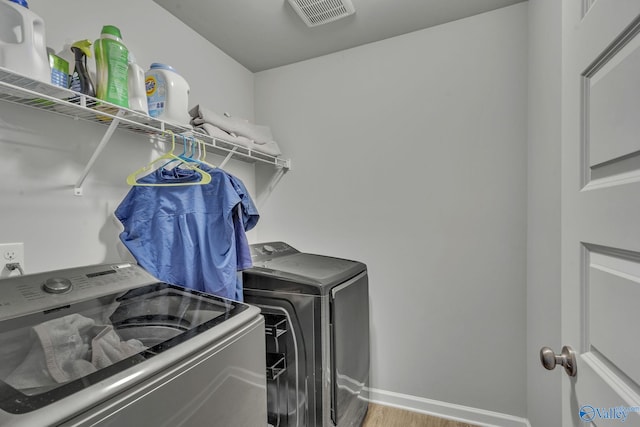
x=479, y=417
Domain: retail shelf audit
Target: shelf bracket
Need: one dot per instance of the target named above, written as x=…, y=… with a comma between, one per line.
x=226, y=159
x=268, y=189
x=103, y=143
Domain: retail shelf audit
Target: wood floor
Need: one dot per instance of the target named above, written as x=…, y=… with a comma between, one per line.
x=385, y=416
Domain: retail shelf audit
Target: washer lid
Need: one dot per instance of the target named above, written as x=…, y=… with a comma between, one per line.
x=322, y=269
x=302, y=272
x=48, y=355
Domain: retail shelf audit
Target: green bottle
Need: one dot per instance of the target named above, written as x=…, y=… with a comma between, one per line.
x=112, y=67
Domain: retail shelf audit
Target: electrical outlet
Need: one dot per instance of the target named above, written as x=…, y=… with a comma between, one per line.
x=11, y=253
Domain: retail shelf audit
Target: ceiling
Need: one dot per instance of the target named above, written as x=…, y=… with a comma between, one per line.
x=264, y=34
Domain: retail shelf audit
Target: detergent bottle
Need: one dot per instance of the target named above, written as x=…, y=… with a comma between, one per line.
x=167, y=94
x=23, y=47
x=137, y=91
x=112, y=67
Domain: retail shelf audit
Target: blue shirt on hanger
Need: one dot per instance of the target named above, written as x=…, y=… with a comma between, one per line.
x=190, y=235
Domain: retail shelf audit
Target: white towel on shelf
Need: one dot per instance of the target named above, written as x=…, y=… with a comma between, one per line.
x=215, y=132
x=260, y=137
x=271, y=148
x=200, y=115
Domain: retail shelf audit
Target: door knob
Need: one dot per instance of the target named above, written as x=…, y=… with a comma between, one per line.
x=567, y=359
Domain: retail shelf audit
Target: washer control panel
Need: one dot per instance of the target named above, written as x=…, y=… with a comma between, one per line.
x=265, y=251
x=31, y=293
x=57, y=285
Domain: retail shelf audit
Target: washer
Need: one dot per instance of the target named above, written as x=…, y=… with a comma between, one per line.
x=317, y=335
x=109, y=345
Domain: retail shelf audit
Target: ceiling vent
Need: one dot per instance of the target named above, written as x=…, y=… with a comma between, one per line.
x=318, y=12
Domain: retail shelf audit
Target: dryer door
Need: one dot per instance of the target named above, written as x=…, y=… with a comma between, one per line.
x=349, y=350
x=288, y=400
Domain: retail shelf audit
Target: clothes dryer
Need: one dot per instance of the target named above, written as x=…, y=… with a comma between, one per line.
x=109, y=345
x=317, y=335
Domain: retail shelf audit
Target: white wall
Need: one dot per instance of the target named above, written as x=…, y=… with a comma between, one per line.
x=44, y=154
x=410, y=155
x=543, y=231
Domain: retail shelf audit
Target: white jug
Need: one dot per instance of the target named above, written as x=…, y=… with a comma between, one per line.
x=167, y=94
x=137, y=91
x=23, y=48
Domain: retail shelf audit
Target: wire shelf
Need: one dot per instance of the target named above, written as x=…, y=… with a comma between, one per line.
x=17, y=89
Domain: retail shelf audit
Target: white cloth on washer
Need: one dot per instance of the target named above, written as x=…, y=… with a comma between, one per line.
x=69, y=348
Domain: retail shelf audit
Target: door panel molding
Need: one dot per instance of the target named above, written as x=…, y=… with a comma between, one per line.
x=610, y=108
x=611, y=289
x=613, y=383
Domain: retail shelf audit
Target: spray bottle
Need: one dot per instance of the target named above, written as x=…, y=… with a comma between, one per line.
x=80, y=79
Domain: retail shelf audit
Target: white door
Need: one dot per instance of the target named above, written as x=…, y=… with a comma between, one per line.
x=601, y=210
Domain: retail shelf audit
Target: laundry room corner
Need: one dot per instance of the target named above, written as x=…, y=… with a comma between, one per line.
x=410, y=156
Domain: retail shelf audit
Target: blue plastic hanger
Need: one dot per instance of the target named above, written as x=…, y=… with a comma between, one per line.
x=132, y=179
